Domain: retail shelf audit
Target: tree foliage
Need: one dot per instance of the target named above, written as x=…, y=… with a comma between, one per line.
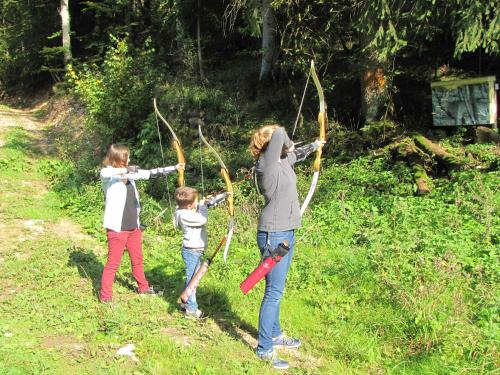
x=25, y=32
x=346, y=39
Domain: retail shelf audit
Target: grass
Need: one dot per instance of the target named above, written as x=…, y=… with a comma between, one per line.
x=382, y=282
x=50, y=319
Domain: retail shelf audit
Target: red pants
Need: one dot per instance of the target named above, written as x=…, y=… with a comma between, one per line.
x=117, y=241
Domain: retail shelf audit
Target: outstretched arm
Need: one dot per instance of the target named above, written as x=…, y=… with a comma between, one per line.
x=141, y=174
x=301, y=153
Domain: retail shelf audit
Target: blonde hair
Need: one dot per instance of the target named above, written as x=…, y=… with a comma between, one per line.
x=184, y=196
x=261, y=138
x=117, y=156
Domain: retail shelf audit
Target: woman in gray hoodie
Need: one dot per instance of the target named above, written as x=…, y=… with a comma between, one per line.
x=275, y=156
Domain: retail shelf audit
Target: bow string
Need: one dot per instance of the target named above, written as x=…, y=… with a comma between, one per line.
x=229, y=189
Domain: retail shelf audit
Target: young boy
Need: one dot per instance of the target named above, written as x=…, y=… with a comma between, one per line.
x=191, y=217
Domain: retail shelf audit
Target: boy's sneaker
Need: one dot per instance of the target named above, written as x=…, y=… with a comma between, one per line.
x=286, y=342
x=193, y=314
x=149, y=292
x=276, y=362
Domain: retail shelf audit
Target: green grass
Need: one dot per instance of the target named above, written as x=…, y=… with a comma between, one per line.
x=382, y=282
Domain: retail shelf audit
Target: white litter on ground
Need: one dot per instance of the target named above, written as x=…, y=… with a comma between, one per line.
x=128, y=350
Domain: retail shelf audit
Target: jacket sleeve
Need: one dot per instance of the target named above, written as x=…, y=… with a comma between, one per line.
x=121, y=173
x=301, y=153
x=273, y=150
x=110, y=172
x=141, y=174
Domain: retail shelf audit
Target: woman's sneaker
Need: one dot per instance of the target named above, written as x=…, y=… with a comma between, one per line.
x=286, y=342
x=193, y=314
x=276, y=362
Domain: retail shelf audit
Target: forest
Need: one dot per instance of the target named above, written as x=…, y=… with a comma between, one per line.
x=395, y=269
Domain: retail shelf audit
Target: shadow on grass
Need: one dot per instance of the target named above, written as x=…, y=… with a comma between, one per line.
x=212, y=301
x=30, y=142
x=89, y=267
x=216, y=305
x=171, y=285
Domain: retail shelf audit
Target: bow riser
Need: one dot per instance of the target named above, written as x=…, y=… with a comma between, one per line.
x=229, y=189
x=323, y=123
x=176, y=144
x=181, y=160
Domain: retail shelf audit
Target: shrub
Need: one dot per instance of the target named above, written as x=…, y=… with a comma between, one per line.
x=117, y=94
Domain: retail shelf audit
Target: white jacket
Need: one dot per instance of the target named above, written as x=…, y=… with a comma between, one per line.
x=115, y=192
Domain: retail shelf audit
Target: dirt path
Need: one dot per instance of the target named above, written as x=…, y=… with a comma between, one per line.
x=29, y=229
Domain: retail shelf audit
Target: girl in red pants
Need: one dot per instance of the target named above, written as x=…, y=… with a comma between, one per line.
x=121, y=217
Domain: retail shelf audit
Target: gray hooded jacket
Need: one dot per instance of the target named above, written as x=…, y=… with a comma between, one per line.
x=277, y=182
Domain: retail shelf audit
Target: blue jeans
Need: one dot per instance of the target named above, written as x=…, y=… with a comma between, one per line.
x=269, y=317
x=192, y=262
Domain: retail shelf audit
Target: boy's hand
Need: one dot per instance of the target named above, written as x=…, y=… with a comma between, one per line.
x=215, y=200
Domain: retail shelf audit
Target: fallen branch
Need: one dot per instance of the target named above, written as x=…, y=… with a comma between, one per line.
x=435, y=151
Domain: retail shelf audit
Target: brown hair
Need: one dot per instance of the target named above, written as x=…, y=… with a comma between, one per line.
x=260, y=139
x=117, y=156
x=184, y=196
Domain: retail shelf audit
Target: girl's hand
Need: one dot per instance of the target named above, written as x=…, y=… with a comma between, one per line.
x=180, y=166
x=319, y=143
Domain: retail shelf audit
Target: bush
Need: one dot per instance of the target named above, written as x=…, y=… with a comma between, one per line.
x=117, y=94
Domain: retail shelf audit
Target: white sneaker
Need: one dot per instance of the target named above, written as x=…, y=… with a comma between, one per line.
x=190, y=314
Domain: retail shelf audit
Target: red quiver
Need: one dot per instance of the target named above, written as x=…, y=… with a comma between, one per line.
x=265, y=267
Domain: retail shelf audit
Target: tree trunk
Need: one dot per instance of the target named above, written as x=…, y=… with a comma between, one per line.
x=374, y=94
x=198, y=37
x=408, y=152
x=375, y=99
x=448, y=160
x=268, y=41
x=66, y=29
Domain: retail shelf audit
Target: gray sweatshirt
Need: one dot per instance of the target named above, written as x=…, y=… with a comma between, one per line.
x=278, y=184
x=193, y=225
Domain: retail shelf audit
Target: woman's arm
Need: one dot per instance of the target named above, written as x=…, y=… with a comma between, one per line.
x=301, y=153
x=274, y=148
